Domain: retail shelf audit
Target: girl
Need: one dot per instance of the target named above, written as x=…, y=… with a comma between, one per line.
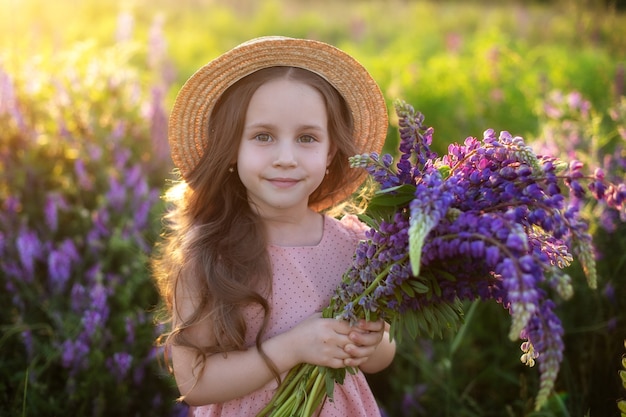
x=261, y=137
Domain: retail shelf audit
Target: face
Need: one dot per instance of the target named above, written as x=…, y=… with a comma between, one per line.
x=285, y=148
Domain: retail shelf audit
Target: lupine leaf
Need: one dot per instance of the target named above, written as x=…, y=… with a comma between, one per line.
x=419, y=287
x=330, y=384
x=407, y=289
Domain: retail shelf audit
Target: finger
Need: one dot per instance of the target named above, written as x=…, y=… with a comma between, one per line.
x=356, y=352
x=371, y=326
x=353, y=362
x=365, y=338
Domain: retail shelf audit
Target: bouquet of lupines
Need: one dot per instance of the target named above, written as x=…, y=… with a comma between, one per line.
x=491, y=220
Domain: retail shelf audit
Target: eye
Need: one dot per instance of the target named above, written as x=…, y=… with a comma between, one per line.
x=263, y=137
x=306, y=139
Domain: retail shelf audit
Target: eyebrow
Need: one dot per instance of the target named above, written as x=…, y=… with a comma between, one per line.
x=270, y=126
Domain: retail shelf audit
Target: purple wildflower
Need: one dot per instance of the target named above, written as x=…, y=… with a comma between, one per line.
x=85, y=181
x=8, y=100
x=74, y=354
x=29, y=250
x=119, y=364
x=60, y=264
x=79, y=298
x=53, y=203
x=129, y=326
x=489, y=220
x=411, y=401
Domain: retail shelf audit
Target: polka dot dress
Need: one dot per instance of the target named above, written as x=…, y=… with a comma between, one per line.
x=304, y=279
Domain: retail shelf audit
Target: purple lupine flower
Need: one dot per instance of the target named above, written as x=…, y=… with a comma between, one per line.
x=411, y=401
x=116, y=195
x=100, y=220
x=498, y=226
x=27, y=339
x=121, y=156
x=609, y=293
x=99, y=296
x=79, y=298
x=3, y=244
x=92, y=321
x=8, y=100
x=74, y=354
x=60, y=264
x=119, y=364
x=51, y=212
x=29, y=249
x=129, y=326
x=94, y=274
x=157, y=116
x=85, y=182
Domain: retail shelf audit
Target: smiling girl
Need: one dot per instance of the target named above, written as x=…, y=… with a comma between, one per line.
x=261, y=137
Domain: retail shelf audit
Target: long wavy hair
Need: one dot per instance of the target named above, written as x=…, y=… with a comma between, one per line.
x=214, y=242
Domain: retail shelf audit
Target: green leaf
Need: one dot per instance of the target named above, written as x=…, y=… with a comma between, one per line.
x=367, y=220
x=436, y=288
x=407, y=289
x=330, y=384
x=419, y=287
x=382, y=213
x=394, y=197
x=446, y=275
x=411, y=324
x=444, y=170
x=404, y=189
x=398, y=296
x=395, y=330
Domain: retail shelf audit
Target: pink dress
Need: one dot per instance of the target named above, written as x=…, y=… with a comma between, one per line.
x=304, y=280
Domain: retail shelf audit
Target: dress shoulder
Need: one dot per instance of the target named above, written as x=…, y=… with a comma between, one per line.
x=352, y=225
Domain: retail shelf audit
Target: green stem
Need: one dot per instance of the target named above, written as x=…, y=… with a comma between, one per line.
x=294, y=377
x=285, y=390
x=459, y=337
x=315, y=397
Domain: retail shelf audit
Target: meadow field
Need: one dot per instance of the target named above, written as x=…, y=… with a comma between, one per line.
x=85, y=92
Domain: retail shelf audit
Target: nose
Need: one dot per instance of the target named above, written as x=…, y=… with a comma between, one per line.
x=285, y=154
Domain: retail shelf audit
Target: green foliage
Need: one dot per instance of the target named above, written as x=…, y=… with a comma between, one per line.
x=621, y=404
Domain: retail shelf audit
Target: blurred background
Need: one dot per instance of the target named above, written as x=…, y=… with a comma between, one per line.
x=85, y=92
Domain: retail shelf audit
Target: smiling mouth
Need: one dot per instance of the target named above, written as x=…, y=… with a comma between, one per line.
x=283, y=182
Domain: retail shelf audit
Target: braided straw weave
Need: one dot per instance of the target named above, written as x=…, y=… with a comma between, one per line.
x=189, y=120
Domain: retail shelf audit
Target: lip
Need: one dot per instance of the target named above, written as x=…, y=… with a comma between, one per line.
x=283, y=182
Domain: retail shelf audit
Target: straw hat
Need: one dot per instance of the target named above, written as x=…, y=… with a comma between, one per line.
x=189, y=120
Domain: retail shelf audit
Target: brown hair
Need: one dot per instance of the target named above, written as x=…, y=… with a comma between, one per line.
x=214, y=241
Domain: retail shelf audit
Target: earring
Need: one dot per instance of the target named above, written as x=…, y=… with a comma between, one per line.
x=327, y=171
x=231, y=169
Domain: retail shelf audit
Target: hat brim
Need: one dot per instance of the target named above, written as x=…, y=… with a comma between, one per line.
x=188, y=130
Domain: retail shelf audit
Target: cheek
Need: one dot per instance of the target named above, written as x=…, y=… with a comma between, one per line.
x=246, y=157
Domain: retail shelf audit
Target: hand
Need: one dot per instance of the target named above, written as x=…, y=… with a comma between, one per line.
x=321, y=341
x=364, y=339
